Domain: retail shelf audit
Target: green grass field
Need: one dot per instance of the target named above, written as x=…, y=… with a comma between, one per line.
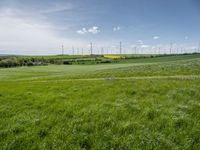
x=151, y=103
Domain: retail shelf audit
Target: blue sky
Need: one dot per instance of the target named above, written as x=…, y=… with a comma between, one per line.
x=42, y=26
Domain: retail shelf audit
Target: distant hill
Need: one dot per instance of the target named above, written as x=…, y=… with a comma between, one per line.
x=9, y=55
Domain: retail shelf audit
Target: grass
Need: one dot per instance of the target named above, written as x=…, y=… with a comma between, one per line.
x=149, y=113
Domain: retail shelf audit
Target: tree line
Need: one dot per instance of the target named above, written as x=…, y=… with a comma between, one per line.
x=8, y=62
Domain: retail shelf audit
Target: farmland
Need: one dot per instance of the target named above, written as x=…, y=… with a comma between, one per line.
x=145, y=103
x=16, y=61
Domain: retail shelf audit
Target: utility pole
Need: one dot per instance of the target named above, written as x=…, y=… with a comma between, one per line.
x=91, y=48
x=120, y=47
x=62, y=49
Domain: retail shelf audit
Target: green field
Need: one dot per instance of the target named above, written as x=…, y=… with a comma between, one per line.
x=146, y=103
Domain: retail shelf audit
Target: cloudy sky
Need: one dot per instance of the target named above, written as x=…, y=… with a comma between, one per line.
x=42, y=26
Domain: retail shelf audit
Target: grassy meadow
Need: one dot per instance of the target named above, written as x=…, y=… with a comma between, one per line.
x=146, y=103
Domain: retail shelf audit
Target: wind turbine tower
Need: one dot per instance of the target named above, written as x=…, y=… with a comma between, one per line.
x=120, y=47
x=62, y=49
x=91, y=48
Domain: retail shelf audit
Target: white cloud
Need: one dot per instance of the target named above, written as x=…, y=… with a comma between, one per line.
x=156, y=37
x=139, y=42
x=116, y=29
x=144, y=46
x=82, y=31
x=93, y=30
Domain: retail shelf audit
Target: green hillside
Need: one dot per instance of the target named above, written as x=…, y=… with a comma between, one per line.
x=146, y=103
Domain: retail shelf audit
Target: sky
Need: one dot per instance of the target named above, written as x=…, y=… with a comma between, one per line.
x=41, y=27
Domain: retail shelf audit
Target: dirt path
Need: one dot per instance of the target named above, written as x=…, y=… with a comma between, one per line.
x=176, y=77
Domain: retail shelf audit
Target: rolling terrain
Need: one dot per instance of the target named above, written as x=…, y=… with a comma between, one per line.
x=146, y=103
